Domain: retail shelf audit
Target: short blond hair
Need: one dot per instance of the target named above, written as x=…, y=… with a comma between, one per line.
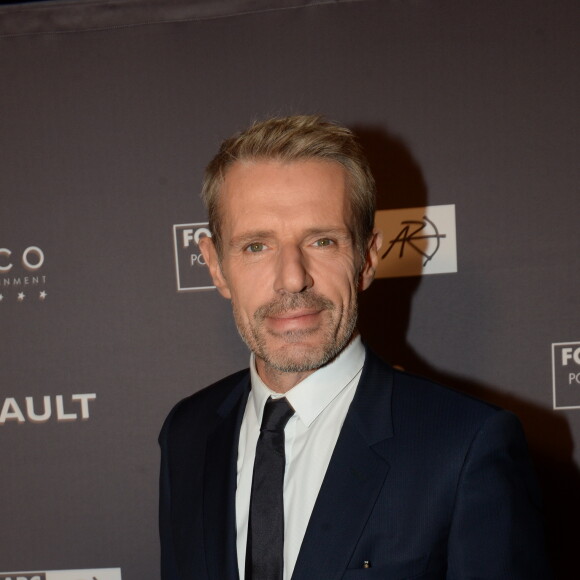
x=294, y=138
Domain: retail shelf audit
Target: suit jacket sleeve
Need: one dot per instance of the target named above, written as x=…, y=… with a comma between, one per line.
x=497, y=531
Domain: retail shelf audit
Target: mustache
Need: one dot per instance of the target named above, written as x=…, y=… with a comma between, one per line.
x=289, y=302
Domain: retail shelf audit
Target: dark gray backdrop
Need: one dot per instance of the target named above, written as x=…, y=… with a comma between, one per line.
x=109, y=112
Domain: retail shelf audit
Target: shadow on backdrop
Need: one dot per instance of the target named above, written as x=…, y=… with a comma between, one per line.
x=385, y=312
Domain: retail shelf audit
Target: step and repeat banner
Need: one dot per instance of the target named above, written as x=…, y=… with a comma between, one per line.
x=109, y=112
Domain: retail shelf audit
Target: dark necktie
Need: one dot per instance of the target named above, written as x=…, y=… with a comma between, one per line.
x=265, y=549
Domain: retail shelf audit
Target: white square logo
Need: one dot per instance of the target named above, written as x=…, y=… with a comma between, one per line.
x=566, y=375
x=191, y=270
x=417, y=241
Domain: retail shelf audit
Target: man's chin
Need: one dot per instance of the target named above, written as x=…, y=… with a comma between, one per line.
x=298, y=358
x=296, y=338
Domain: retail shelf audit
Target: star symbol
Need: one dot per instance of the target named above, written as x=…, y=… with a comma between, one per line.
x=42, y=295
x=21, y=296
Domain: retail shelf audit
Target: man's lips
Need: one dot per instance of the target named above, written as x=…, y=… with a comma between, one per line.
x=295, y=313
x=294, y=319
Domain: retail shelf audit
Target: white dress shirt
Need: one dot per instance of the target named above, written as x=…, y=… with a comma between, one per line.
x=321, y=402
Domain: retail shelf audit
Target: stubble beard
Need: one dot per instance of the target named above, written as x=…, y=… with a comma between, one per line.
x=334, y=336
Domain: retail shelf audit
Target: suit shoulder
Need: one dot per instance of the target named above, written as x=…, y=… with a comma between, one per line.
x=419, y=400
x=208, y=401
x=214, y=393
x=421, y=388
x=443, y=410
x=438, y=420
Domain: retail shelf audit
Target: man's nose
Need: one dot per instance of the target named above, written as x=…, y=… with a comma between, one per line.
x=292, y=271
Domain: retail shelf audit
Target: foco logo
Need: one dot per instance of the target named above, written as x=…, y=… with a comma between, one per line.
x=566, y=375
x=417, y=241
x=190, y=269
x=87, y=574
x=21, y=277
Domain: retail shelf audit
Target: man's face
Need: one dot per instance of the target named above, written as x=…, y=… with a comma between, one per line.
x=288, y=261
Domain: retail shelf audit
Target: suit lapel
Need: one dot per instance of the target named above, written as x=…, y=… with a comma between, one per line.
x=354, y=478
x=219, y=494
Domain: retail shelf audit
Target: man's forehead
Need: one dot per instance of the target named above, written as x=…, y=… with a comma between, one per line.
x=277, y=180
x=276, y=186
x=288, y=198
x=275, y=166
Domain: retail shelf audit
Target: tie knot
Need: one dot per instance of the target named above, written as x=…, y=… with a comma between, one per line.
x=276, y=414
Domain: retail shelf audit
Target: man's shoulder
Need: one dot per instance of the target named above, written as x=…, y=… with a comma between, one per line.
x=200, y=407
x=428, y=419
x=418, y=388
x=429, y=401
x=216, y=392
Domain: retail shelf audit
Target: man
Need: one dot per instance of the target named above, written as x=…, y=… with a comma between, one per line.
x=368, y=472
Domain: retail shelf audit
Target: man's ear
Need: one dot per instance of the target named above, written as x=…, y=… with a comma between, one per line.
x=210, y=256
x=367, y=274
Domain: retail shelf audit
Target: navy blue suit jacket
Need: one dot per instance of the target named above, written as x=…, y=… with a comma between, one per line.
x=424, y=483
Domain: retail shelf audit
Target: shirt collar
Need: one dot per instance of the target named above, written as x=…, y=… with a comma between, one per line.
x=312, y=395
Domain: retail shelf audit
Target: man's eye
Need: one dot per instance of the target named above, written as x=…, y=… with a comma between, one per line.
x=255, y=247
x=323, y=242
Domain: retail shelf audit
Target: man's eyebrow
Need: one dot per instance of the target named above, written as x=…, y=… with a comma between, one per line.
x=250, y=236
x=330, y=230
x=256, y=235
